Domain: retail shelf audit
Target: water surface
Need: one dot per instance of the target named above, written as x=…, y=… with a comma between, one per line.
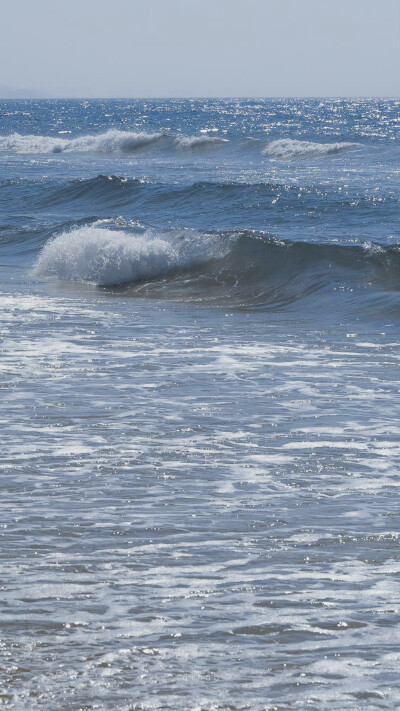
x=200, y=404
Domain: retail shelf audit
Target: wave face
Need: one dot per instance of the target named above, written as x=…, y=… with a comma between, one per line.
x=290, y=148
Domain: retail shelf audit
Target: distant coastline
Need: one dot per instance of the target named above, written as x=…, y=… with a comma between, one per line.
x=7, y=92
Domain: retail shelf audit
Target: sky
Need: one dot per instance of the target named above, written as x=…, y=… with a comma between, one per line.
x=195, y=48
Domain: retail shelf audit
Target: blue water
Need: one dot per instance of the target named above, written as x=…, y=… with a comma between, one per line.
x=200, y=404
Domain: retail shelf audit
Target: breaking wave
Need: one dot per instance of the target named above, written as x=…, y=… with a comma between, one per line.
x=290, y=148
x=107, y=257
x=109, y=142
x=240, y=268
x=125, y=142
x=112, y=141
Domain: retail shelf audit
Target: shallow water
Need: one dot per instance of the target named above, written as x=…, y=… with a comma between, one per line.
x=200, y=468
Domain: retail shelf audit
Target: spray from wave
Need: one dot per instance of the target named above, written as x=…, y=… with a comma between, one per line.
x=289, y=148
x=107, y=257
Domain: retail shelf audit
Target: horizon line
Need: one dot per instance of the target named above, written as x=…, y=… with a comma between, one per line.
x=198, y=98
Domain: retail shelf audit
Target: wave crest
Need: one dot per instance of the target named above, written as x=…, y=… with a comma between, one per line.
x=107, y=257
x=290, y=148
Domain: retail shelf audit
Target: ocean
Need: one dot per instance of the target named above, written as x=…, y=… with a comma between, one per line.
x=200, y=410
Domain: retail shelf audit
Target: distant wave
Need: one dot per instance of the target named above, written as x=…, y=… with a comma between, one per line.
x=106, y=187
x=116, y=192
x=290, y=148
x=188, y=142
x=239, y=268
x=112, y=190
x=109, y=142
x=112, y=141
x=126, y=142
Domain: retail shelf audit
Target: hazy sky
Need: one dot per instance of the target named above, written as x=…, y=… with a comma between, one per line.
x=129, y=48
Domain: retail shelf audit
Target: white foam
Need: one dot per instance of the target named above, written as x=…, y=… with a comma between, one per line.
x=289, y=148
x=112, y=141
x=105, y=257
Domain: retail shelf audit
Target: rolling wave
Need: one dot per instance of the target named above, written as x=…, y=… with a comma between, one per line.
x=290, y=148
x=112, y=190
x=126, y=142
x=107, y=257
x=115, y=190
x=239, y=268
x=203, y=204
x=110, y=142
